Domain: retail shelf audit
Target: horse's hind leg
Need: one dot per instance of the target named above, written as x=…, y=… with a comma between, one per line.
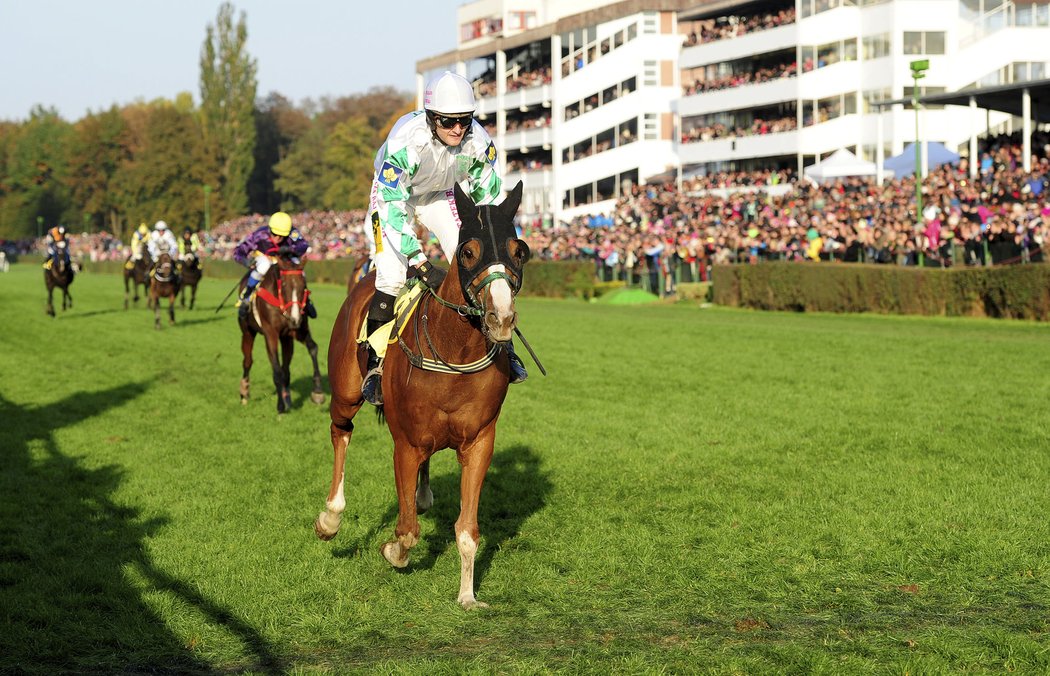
x=127, y=292
x=317, y=396
x=475, y=461
x=272, y=346
x=155, y=304
x=327, y=524
x=407, y=460
x=424, y=496
x=50, y=309
x=171, y=309
x=66, y=296
x=193, y=296
x=247, y=343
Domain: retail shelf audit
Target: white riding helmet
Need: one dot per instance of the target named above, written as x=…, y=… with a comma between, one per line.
x=161, y=225
x=450, y=94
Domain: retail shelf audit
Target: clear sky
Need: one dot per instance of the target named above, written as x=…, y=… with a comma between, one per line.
x=85, y=55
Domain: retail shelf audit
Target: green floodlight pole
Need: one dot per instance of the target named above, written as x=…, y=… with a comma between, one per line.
x=39, y=227
x=207, y=214
x=918, y=71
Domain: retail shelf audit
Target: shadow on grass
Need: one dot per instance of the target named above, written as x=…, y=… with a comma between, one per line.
x=92, y=313
x=515, y=488
x=67, y=548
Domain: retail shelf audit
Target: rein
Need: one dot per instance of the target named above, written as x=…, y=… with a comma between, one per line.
x=439, y=363
x=277, y=301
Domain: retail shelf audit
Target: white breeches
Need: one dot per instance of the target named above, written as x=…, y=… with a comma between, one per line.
x=260, y=266
x=437, y=213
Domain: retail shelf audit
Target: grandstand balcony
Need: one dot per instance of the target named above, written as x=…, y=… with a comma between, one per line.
x=537, y=137
x=745, y=96
x=731, y=49
x=527, y=97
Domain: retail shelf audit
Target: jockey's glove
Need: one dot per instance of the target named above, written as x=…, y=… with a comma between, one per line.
x=431, y=275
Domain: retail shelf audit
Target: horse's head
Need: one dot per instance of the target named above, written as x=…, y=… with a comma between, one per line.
x=489, y=261
x=291, y=287
x=164, y=267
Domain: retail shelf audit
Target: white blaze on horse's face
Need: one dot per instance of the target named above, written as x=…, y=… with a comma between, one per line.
x=500, y=317
x=295, y=316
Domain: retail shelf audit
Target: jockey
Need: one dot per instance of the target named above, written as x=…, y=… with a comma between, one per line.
x=189, y=245
x=54, y=236
x=257, y=248
x=426, y=153
x=138, y=240
x=162, y=241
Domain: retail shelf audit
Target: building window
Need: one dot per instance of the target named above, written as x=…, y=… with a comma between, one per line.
x=876, y=46
x=649, y=22
x=521, y=21
x=871, y=96
x=650, y=78
x=919, y=42
x=651, y=127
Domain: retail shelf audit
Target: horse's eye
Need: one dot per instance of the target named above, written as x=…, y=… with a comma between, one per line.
x=469, y=253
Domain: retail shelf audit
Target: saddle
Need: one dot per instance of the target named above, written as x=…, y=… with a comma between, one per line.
x=406, y=303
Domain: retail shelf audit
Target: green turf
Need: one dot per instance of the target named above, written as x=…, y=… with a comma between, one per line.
x=627, y=297
x=689, y=490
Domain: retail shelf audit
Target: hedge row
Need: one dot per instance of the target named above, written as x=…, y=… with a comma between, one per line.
x=1013, y=292
x=552, y=279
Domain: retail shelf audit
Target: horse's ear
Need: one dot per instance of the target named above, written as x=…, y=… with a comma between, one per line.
x=464, y=205
x=509, y=206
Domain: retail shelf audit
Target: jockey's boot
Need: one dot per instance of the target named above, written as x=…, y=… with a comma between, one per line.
x=518, y=374
x=310, y=310
x=246, y=294
x=380, y=312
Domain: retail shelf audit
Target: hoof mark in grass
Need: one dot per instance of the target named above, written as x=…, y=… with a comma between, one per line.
x=751, y=624
x=909, y=588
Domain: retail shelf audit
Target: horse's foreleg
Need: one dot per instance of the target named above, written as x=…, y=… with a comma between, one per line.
x=193, y=296
x=182, y=297
x=287, y=350
x=67, y=299
x=50, y=309
x=127, y=293
x=272, y=347
x=475, y=461
x=171, y=309
x=247, y=343
x=317, y=396
x=327, y=524
x=407, y=460
x=154, y=302
x=424, y=496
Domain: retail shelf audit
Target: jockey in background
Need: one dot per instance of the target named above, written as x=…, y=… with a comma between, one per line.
x=162, y=241
x=189, y=245
x=256, y=249
x=138, y=240
x=54, y=249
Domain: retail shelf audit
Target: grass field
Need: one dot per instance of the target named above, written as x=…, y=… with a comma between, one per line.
x=689, y=490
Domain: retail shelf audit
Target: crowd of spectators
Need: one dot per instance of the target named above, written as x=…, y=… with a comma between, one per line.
x=757, y=127
x=723, y=27
x=718, y=82
x=1002, y=217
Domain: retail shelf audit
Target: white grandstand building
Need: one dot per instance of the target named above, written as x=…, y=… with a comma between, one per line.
x=584, y=96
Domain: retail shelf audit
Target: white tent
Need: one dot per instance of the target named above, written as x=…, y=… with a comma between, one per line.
x=840, y=164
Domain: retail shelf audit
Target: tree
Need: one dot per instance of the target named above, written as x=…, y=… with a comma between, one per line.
x=277, y=125
x=228, y=88
x=348, y=170
x=100, y=147
x=35, y=166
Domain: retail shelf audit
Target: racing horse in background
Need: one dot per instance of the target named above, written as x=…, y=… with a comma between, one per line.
x=190, y=274
x=277, y=311
x=136, y=275
x=443, y=385
x=163, y=283
x=59, y=274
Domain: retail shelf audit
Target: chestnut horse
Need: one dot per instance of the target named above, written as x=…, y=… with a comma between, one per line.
x=59, y=274
x=443, y=384
x=277, y=312
x=163, y=283
x=191, y=276
x=137, y=274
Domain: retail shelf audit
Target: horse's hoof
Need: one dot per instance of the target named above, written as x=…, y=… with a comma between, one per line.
x=317, y=397
x=244, y=401
x=471, y=603
x=323, y=530
x=388, y=550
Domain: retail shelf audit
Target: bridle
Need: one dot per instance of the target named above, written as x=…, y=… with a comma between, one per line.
x=278, y=300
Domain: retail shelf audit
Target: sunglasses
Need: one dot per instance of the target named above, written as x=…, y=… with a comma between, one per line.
x=450, y=121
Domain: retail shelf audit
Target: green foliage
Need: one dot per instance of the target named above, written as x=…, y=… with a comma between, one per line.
x=806, y=494
x=348, y=166
x=561, y=279
x=228, y=87
x=298, y=174
x=1021, y=291
x=33, y=172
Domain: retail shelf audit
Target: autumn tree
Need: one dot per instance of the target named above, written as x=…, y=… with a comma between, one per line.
x=228, y=87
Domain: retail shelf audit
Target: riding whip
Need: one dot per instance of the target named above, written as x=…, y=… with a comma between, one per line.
x=529, y=348
x=235, y=287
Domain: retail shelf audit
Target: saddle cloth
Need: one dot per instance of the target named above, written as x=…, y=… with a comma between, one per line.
x=406, y=303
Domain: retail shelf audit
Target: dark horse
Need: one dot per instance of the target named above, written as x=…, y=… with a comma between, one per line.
x=137, y=274
x=277, y=312
x=191, y=276
x=443, y=386
x=60, y=274
x=163, y=283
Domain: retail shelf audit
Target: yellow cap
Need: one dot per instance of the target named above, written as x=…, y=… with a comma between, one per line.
x=281, y=224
